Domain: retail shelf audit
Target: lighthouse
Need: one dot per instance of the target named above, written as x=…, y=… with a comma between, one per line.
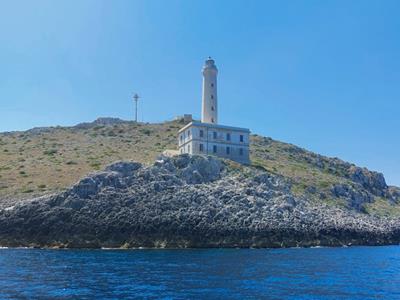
x=208, y=137
x=209, y=112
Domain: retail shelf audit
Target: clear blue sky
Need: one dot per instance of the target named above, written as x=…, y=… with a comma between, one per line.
x=324, y=75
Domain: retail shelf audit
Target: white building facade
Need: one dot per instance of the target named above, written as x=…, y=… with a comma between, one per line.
x=207, y=137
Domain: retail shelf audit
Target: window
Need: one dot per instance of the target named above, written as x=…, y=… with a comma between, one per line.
x=212, y=120
x=181, y=150
x=188, y=148
x=188, y=133
x=201, y=147
x=181, y=138
x=228, y=150
x=228, y=136
x=201, y=133
x=214, y=134
x=212, y=84
x=212, y=108
x=212, y=96
x=241, y=138
x=215, y=149
x=241, y=151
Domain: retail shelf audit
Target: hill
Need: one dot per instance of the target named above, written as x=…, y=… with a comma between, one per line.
x=42, y=161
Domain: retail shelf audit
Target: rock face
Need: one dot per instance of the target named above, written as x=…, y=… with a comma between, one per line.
x=373, y=181
x=99, y=122
x=365, y=186
x=356, y=198
x=191, y=201
x=394, y=194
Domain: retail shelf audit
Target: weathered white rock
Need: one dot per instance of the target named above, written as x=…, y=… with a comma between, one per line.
x=190, y=201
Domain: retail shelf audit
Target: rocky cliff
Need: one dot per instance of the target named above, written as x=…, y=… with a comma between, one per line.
x=199, y=201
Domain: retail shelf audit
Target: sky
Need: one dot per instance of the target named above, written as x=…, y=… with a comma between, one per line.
x=323, y=75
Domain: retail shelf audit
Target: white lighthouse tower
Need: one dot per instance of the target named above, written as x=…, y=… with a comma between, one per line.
x=209, y=111
x=208, y=137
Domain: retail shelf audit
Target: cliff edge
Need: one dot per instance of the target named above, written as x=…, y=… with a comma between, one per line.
x=199, y=201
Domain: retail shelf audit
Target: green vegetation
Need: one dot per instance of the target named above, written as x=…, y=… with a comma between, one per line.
x=50, y=152
x=145, y=131
x=382, y=207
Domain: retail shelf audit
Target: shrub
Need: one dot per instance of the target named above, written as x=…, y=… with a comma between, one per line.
x=50, y=152
x=145, y=131
x=95, y=165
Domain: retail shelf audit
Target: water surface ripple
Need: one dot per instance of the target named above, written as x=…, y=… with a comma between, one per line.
x=316, y=273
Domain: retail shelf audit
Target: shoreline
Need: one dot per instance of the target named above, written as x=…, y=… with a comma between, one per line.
x=192, y=248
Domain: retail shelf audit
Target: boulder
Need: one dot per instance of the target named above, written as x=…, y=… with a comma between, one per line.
x=85, y=188
x=198, y=169
x=373, y=181
x=355, y=198
x=123, y=168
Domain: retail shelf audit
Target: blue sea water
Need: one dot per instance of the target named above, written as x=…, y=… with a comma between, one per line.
x=314, y=273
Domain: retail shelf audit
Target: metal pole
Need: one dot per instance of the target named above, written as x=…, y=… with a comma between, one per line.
x=136, y=110
x=136, y=98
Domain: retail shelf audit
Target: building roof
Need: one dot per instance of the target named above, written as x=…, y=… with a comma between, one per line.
x=216, y=126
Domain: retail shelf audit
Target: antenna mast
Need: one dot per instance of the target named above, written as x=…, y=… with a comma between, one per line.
x=136, y=99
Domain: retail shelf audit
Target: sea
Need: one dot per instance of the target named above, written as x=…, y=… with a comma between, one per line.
x=297, y=273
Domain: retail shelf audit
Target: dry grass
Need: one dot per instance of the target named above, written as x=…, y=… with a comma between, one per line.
x=34, y=164
x=384, y=208
x=294, y=163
